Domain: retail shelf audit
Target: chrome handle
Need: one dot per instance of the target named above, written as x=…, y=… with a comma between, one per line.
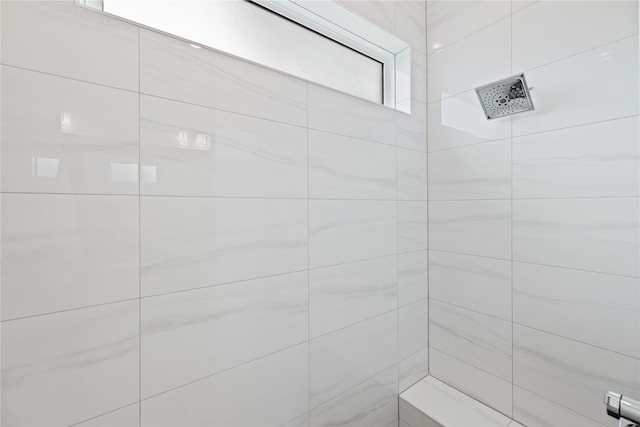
x=619, y=406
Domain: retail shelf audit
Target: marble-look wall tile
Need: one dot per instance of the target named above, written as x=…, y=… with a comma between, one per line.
x=412, y=175
x=413, y=368
x=302, y=421
x=71, y=366
x=190, y=335
x=373, y=403
x=345, y=358
x=341, y=167
x=411, y=24
x=571, y=374
x=64, y=136
x=67, y=251
x=190, y=242
x=173, y=69
x=419, y=83
x=458, y=121
x=447, y=406
x=350, y=230
x=477, y=339
x=348, y=293
x=535, y=45
x=413, y=280
x=560, y=97
x=594, y=308
x=413, y=324
x=412, y=226
x=411, y=129
x=481, y=171
x=379, y=12
x=475, y=383
x=129, y=416
x=335, y=112
x=60, y=38
x=596, y=160
x=450, y=21
x=454, y=69
x=475, y=227
x=268, y=392
x=532, y=410
x=477, y=283
x=189, y=150
x=591, y=234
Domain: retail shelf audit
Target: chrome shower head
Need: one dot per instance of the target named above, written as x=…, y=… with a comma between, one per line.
x=505, y=97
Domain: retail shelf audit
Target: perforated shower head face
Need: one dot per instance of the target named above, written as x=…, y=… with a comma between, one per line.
x=505, y=97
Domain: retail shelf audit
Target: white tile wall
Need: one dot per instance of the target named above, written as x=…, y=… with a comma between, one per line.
x=162, y=206
x=533, y=220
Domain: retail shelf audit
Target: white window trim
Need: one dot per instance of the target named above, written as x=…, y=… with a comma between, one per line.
x=340, y=24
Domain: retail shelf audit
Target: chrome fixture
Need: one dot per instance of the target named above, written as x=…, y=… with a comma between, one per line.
x=623, y=408
x=505, y=97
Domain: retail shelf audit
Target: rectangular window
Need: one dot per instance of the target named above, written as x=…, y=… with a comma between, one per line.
x=321, y=42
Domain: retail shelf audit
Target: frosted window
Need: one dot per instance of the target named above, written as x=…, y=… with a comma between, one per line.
x=249, y=31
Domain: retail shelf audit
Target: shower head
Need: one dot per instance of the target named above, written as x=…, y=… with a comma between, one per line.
x=505, y=97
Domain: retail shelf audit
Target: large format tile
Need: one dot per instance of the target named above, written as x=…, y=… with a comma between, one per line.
x=590, y=234
x=532, y=410
x=459, y=120
x=183, y=333
x=583, y=88
x=60, y=38
x=350, y=230
x=411, y=25
x=275, y=388
x=189, y=242
x=475, y=227
x=379, y=12
x=413, y=280
x=71, y=366
x=481, y=171
x=343, y=359
x=454, y=69
x=413, y=368
x=450, y=21
x=477, y=283
x=413, y=324
x=64, y=136
x=595, y=308
x=66, y=251
x=173, y=69
x=535, y=44
x=449, y=407
x=197, y=151
x=129, y=416
x=341, y=167
x=411, y=129
x=348, y=293
x=477, y=339
x=412, y=175
x=373, y=403
x=571, y=374
x=343, y=114
x=480, y=385
x=596, y=160
x=412, y=226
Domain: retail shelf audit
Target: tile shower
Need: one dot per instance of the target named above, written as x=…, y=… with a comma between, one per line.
x=189, y=239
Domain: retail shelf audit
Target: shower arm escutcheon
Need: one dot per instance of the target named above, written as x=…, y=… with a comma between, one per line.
x=619, y=406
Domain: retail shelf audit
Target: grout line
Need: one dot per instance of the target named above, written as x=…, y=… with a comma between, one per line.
x=139, y=240
x=534, y=263
x=475, y=367
x=535, y=133
x=69, y=309
x=104, y=413
x=342, y=328
x=426, y=155
x=534, y=198
x=472, y=310
x=511, y=203
x=308, y=275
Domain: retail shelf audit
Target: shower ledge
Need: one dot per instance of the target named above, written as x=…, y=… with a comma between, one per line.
x=432, y=403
